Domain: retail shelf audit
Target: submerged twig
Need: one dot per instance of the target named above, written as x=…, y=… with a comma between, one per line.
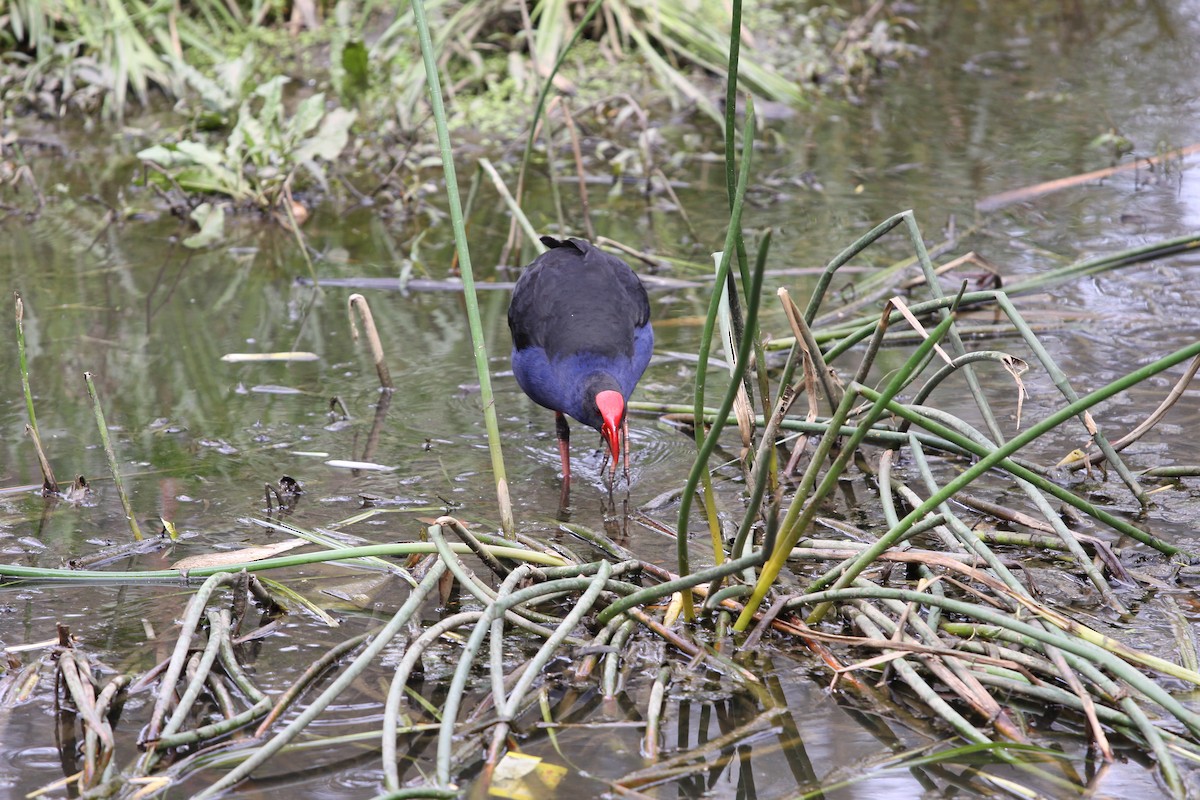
x=995, y=202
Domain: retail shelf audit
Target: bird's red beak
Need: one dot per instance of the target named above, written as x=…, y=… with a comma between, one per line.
x=612, y=412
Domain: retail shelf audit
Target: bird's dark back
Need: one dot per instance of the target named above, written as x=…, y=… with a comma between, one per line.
x=575, y=298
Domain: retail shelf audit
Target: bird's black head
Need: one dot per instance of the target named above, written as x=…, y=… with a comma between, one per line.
x=594, y=414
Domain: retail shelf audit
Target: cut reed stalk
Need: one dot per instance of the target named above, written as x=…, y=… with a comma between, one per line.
x=356, y=302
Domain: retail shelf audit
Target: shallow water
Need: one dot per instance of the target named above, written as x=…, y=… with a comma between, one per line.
x=1008, y=95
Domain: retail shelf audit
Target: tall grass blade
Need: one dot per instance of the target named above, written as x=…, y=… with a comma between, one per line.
x=706, y=443
x=482, y=370
x=49, y=483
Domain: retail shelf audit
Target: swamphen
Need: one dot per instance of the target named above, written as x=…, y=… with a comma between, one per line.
x=580, y=323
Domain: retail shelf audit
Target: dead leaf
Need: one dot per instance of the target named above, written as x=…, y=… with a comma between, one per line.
x=237, y=556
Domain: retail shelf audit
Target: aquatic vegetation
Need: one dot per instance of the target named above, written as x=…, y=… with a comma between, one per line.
x=67, y=55
x=915, y=611
x=263, y=153
x=71, y=56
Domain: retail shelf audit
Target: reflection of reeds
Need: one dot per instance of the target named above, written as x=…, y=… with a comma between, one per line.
x=111, y=455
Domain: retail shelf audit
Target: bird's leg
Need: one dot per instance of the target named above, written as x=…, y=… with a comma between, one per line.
x=624, y=447
x=564, y=503
x=564, y=445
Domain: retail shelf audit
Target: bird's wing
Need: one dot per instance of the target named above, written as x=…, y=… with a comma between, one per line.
x=576, y=281
x=622, y=275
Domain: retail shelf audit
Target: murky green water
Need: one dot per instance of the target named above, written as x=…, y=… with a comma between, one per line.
x=996, y=104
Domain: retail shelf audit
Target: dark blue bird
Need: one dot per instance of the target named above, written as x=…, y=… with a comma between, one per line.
x=580, y=323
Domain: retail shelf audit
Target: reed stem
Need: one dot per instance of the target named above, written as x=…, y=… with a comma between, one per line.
x=482, y=369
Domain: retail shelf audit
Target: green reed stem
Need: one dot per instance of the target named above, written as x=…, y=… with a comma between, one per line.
x=994, y=458
x=112, y=457
x=187, y=630
x=347, y=554
x=861, y=327
x=345, y=678
x=507, y=708
x=805, y=503
x=391, y=709
x=679, y=584
x=505, y=600
x=1064, y=387
x=700, y=465
x=1068, y=539
x=731, y=181
x=21, y=360
x=311, y=673
x=482, y=369
x=218, y=626
x=1022, y=472
x=1124, y=258
x=1085, y=650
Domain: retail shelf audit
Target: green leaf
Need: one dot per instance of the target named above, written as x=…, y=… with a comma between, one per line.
x=211, y=220
x=203, y=180
x=308, y=115
x=250, y=140
x=200, y=154
x=212, y=94
x=272, y=94
x=330, y=139
x=234, y=74
x=354, y=62
x=163, y=156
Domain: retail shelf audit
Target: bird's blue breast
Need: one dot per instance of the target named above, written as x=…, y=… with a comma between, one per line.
x=559, y=383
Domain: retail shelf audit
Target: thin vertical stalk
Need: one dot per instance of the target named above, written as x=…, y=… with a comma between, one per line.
x=49, y=484
x=731, y=173
x=701, y=464
x=112, y=457
x=468, y=276
x=952, y=337
x=20, y=306
x=731, y=82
